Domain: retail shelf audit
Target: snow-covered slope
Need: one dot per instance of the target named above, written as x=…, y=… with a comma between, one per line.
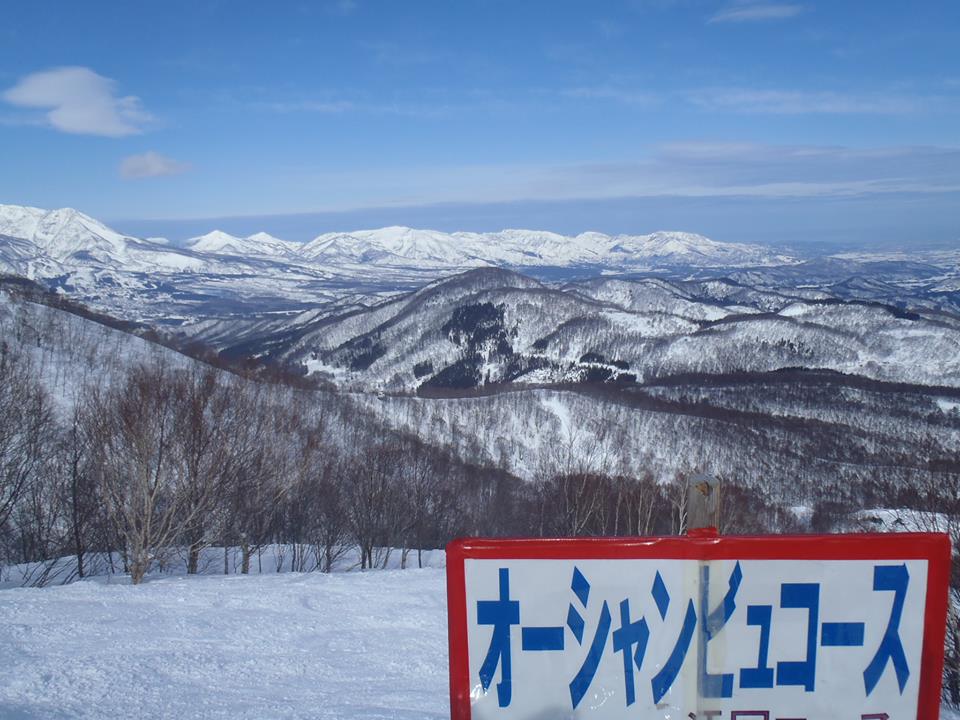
x=493, y=326
x=59, y=233
x=69, y=352
x=347, y=646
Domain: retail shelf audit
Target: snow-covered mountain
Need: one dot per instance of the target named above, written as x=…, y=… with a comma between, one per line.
x=491, y=326
x=529, y=248
x=154, y=281
x=218, y=242
x=43, y=243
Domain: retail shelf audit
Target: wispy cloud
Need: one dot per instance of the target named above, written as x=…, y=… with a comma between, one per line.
x=392, y=53
x=80, y=101
x=678, y=170
x=341, y=7
x=741, y=12
x=798, y=102
x=763, y=101
x=150, y=164
x=609, y=92
x=610, y=29
x=323, y=107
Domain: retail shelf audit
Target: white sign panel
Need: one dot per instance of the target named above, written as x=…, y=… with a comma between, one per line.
x=738, y=638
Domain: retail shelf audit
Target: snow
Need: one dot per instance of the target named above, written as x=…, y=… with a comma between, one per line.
x=555, y=405
x=344, y=646
x=947, y=406
x=69, y=352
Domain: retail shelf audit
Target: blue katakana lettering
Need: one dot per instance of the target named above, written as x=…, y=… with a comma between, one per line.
x=502, y=614
x=663, y=680
x=711, y=622
x=541, y=638
x=847, y=634
x=581, y=682
x=802, y=596
x=630, y=634
x=760, y=676
x=890, y=578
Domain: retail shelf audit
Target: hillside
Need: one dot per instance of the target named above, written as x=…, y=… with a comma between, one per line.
x=493, y=326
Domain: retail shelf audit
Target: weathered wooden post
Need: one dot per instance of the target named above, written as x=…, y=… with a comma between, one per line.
x=703, y=503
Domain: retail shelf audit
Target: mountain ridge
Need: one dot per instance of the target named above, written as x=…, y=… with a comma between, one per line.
x=63, y=232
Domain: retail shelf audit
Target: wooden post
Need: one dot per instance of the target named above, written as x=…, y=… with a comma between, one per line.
x=703, y=504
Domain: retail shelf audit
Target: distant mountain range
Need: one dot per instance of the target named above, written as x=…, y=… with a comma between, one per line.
x=67, y=235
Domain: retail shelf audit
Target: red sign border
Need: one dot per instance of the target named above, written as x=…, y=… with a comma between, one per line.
x=933, y=547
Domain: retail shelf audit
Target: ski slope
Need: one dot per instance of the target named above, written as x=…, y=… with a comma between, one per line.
x=346, y=645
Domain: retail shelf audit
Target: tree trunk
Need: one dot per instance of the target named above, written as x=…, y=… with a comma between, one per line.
x=138, y=568
x=245, y=558
x=79, y=553
x=193, y=560
x=75, y=512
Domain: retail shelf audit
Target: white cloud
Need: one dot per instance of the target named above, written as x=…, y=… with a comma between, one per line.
x=150, y=164
x=80, y=101
x=740, y=12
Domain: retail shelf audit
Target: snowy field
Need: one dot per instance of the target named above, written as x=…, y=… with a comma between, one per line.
x=291, y=645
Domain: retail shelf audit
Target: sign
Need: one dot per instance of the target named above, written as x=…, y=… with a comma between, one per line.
x=724, y=628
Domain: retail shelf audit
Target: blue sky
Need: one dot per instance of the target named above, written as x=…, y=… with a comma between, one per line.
x=748, y=120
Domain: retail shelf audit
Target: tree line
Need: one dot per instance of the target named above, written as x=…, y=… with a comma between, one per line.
x=164, y=456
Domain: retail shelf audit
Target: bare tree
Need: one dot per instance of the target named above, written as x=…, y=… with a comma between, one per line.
x=209, y=446
x=145, y=490
x=372, y=498
x=26, y=421
x=429, y=498
x=639, y=501
x=255, y=488
x=79, y=487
